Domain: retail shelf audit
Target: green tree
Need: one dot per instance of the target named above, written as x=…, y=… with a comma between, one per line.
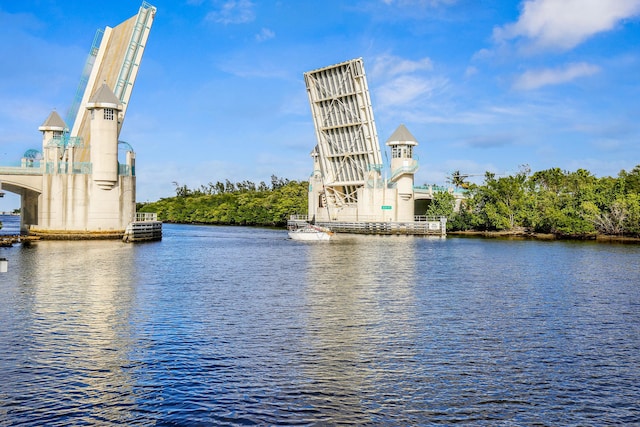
x=501, y=204
x=233, y=203
x=458, y=180
x=442, y=204
x=551, y=201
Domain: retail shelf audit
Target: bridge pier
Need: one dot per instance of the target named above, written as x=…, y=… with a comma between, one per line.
x=28, y=210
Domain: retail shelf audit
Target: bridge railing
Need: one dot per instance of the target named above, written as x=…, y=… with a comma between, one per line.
x=126, y=170
x=49, y=168
x=81, y=168
x=439, y=189
x=423, y=218
x=146, y=216
x=35, y=169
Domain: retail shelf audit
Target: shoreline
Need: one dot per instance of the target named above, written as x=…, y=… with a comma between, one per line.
x=524, y=235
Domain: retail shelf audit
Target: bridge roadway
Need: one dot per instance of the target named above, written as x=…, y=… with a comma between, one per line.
x=17, y=179
x=26, y=181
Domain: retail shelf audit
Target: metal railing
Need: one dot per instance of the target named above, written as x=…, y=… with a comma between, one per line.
x=34, y=169
x=74, y=168
x=135, y=43
x=66, y=141
x=416, y=227
x=79, y=168
x=421, y=218
x=146, y=216
x=410, y=168
x=84, y=79
x=126, y=170
x=439, y=189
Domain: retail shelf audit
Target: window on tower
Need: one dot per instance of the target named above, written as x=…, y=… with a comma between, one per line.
x=108, y=113
x=401, y=152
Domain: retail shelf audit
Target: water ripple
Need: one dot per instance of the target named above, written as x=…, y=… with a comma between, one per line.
x=237, y=326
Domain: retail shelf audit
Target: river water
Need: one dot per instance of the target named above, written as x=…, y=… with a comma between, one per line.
x=241, y=326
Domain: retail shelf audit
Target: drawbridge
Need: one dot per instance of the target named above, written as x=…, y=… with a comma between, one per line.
x=115, y=62
x=348, y=151
x=114, y=58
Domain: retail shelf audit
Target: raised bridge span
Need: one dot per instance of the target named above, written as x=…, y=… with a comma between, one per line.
x=82, y=181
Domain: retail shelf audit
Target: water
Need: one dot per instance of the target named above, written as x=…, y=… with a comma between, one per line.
x=240, y=326
x=10, y=225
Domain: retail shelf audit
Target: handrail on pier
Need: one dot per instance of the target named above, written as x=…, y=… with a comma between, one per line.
x=146, y=216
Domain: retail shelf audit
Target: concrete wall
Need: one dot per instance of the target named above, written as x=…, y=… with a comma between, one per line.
x=74, y=202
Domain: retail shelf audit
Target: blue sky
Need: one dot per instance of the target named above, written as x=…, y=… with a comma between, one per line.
x=483, y=85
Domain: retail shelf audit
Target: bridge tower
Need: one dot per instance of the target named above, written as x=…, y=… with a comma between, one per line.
x=403, y=168
x=86, y=199
x=52, y=130
x=105, y=111
x=80, y=188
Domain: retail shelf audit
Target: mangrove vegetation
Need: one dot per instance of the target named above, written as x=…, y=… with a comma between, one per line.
x=553, y=201
x=229, y=203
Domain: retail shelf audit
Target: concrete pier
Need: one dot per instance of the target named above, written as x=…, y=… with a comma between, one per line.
x=145, y=228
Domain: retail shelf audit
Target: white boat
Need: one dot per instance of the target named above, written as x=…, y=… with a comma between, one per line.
x=310, y=233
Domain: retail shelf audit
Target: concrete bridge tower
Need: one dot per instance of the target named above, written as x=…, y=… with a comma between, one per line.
x=84, y=199
x=52, y=130
x=79, y=187
x=105, y=111
x=403, y=168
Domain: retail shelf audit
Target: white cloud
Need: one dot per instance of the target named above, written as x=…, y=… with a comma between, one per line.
x=419, y=3
x=404, y=89
x=389, y=66
x=607, y=144
x=470, y=71
x=563, y=24
x=233, y=12
x=253, y=68
x=534, y=79
x=403, y=80
x=265, y=34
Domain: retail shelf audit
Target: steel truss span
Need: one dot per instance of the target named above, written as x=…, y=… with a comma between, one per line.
x=348, y=149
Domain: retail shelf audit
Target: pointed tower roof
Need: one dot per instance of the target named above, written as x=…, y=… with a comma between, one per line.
x=53, y=122
x=104, y=98
x=401, y=136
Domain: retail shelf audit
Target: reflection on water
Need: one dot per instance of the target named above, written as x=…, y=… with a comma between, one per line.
x=359, y=300
x=233, y=325
x=71, y=310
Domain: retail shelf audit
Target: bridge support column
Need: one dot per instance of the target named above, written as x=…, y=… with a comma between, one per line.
x=29, y=210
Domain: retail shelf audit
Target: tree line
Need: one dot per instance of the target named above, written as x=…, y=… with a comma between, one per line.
x=233, y=203
x=564, y=203
x=551, y=201
x=230, y=187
